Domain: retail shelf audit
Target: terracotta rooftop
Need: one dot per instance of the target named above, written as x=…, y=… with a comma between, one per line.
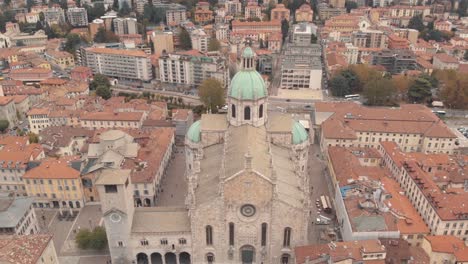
x=449, y=245
x=348, y=118
x=340, y=251
x=25, y=249
x=52, y=169
x=445, y=58
x=180, y=114
x=110, y=116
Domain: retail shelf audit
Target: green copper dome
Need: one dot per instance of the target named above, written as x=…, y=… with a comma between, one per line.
x=193, y=134
x=248, y=53
x=248, y=85
x=299, y=134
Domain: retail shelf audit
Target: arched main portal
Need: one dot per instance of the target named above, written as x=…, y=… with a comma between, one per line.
x=147, y=202
x=156, y=258
x=286, y=259
x=247, y=254
x=170, y=258
x=184, y=258
x=142, y=258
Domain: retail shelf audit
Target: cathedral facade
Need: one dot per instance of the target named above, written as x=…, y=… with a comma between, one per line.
x=248, y=195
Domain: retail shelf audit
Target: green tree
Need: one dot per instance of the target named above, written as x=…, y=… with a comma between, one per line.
x=339, y=86
x=380, y=91
x=6, y=2
x=33, y=138
x=462, y=8
x=95, y=11
x=284, y=28
x=73, y=40
x=433, y=35
x=416, y=22
x=99, y=80
x=125, y=9
x=29, y=4
x=350, y=5
x=271, y=5
x=104, y=92
x=105, y=36
x=420, y=91
x=214, y=45
x=4, y=124
x=352, y=79
x=98, y=238
x=211, y=93
x=185, y=40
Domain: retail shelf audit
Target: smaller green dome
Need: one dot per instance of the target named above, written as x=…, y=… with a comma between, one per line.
x=248, y=53
x=193, y=133
x=299, y=134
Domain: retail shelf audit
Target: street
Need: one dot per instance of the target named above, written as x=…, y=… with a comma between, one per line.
x=320, y=185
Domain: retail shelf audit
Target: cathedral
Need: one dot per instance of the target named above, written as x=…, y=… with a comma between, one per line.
x=248, y=195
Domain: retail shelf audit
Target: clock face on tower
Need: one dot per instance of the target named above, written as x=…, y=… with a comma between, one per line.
x=114, y=217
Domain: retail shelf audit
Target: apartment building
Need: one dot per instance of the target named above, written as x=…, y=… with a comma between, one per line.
x=17, y=216
x=54, y=15
x=233, y=7
x=199, y=40
x=301, y=67
x=192, y=68
x=98, y=120
x=94, y=27
x=163, y=41
x=280, y=12
x=28, y=249
x=38, y=119
x=347, y=50
x=434, y=183
x=125, y=26
x=326, y=12
x=395, y=61
x=222, y=31
x=304, y=13
x=54, y=184
x=302, y=33
x=62, y=59
x=445, y=249
x=77, y=16
x=118, y=63
x=176, y=14
x=30, y=74
x=253, y=10
x=15, y=153
x=356, y=174
x=203, y=16
x=412, y=127
x=369, y=38
x=443, y=61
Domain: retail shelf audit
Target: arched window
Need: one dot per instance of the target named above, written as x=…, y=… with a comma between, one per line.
x=231, y=234
x=209, y=235
x=210, y=258
x=260, y=111
x=287, y=237
x=247, y=113
x=264, y=233
x=233, y=111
